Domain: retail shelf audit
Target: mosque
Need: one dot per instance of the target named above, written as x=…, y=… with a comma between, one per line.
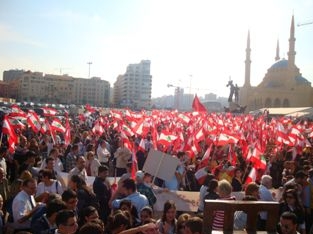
x=283, y=84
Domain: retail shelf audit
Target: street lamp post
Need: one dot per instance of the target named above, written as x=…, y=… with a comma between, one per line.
x=177, y=95
x=89, y=64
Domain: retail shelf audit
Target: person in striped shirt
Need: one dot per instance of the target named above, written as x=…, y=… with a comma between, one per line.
x=224, y=191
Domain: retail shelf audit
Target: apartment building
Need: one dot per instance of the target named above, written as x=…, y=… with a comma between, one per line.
x=93, y=91
x=48, y=88
x=133, y=89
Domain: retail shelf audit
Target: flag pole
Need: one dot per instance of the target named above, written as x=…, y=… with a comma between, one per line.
x=158, y=167
x=52, y=136
x=1, y=139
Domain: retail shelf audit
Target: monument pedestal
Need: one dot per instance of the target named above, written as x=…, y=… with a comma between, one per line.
x=232, y=106
x=235, y=108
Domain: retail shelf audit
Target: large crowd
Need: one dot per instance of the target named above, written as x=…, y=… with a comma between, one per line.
x=218, y=154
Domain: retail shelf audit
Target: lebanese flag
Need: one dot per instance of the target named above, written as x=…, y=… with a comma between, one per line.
x=48, y=111
x=197, y=105
x=206, y=157
x=184, y=118
x=33, y=121
x=57, y=126
x=194, y=150
x=128, y=115
x=141, y=128
x=142, y=145
x=252, y=176
x=44, y=128
x=295, y=135
x=257, y=158
x=16, y=111
x=90, y=109
x=201, y=174
x=224, y=139
x=67, y=135
x=97, y=129
x=127, y=130
x=16, y=124
x=116, y=115
x=50, y=130
x=166, y=138
x=127, y=143
x=8, y=129
x=199, y=136
x=281, y=135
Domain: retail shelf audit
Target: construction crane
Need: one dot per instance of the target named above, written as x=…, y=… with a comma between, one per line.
x=305, y=23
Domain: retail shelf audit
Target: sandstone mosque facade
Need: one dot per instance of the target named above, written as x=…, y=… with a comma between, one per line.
x=283, y=84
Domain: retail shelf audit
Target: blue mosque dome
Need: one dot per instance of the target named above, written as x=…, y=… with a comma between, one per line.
x=283, y=63
x=301, y=80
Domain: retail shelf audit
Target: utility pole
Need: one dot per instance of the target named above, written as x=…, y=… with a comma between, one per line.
x=190, y=97
x=89, y=64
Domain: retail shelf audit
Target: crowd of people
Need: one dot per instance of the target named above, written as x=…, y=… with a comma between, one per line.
x=37, y=198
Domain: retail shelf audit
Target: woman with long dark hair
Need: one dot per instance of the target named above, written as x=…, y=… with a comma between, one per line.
x=167, y=224
x=85, y=195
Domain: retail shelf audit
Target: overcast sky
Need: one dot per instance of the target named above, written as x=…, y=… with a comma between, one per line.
x=195, y=44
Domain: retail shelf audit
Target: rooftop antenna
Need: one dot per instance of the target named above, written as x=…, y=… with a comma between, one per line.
x=61, y=69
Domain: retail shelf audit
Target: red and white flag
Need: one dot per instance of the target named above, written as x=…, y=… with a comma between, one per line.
x=252, y=176
x=166, y=138
x=16, y=124
x=199, y=135
x=116, y=115
x=184, y=118
x=97, y=129
x=17, y=112
x=12, y=137
x=33, y=121
x=127, y=130
x=67, y=135
x=57, y=126
x=257, y=158
x=48, y=111
x=201, y=175
x=142, y=145
x=224, y=139
x=90, y=109
x=206, y=157
x=197, y=105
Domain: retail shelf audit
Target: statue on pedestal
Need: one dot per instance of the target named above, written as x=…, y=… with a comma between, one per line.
x=232, y=90
x=236, y=93
x=234, y=107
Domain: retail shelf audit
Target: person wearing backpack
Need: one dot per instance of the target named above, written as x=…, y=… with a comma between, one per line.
x=47, y=184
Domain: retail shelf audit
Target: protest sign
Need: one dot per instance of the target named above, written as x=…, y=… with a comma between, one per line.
x=160, y=164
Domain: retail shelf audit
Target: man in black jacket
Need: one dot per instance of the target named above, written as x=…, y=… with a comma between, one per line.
x=102, y=189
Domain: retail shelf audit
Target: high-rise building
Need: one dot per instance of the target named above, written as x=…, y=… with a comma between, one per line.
x=63, y=89
x=133, y=89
